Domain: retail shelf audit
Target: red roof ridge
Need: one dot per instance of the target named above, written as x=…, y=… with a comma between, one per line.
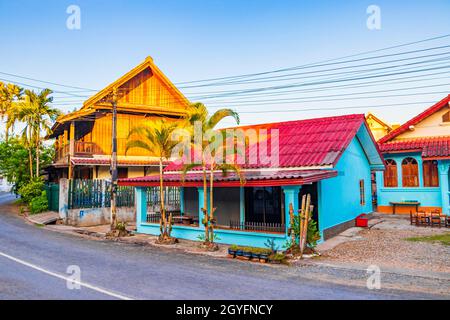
x=419, y=139
x=425, y=114
x=321, y=119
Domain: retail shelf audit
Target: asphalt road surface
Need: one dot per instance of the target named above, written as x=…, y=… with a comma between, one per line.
x=39, y=264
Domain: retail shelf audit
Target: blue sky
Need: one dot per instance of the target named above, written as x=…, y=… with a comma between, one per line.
x=198, y=39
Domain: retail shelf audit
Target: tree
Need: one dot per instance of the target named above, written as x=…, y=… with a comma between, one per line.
x=198, y=117
x=9, y=94
x=38, y=115
x=157, y=139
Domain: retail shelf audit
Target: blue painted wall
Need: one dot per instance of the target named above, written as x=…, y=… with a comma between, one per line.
x=427, y=196
x=339, y=197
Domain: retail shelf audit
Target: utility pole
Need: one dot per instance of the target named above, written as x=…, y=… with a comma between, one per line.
x=114, y=161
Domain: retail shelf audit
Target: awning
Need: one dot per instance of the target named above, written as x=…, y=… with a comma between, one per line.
x=253, y=178
x=107, y=162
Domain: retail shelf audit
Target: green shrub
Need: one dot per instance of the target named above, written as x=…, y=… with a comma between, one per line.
x=31, y=190
x=39, y=203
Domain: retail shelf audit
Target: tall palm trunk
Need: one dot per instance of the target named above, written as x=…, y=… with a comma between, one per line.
x=205, y=204
x=163, y=222
x=211, y=204
x=37, y=156
x=30, y=160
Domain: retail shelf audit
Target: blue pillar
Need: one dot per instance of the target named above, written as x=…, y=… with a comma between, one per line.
x=181, y=200
x=200, y=206
x=444, y=167
x=242, y=204
x=290, y=196
x=141, y=205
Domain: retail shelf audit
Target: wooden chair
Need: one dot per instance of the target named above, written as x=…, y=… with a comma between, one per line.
x=423, y=218
x=435, y=219
x=414, y=218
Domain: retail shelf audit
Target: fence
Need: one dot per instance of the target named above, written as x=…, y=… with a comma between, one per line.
x=97, y=194
x=257, y=226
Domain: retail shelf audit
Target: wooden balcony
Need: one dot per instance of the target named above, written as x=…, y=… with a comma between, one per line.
x=86, y=149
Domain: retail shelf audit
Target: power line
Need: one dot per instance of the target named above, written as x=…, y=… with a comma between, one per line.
x=320, y=62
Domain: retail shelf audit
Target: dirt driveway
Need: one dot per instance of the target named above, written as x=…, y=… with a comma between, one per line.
x=385, y=245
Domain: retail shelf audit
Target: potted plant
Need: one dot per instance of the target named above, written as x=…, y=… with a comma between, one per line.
x=264, y=255
x=232, y=250
x=277, y=258
x=247, y=252
x=255, y=253
x=239, y=251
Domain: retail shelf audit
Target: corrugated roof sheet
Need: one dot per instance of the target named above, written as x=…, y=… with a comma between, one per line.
x=431, y=147
x=306, y=143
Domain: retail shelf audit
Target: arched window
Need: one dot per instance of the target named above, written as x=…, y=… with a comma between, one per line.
x=430, y=173
x=410, y=172
x=390, y=175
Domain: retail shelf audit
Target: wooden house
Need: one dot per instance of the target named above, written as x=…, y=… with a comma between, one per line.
x=83, y=139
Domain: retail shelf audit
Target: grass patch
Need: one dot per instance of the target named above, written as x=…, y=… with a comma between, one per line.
x=39, y=225
x=442, y=238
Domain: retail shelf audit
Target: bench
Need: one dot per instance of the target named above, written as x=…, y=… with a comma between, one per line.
x=405, y=203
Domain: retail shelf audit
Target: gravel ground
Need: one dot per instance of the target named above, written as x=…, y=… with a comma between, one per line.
x=385, y=245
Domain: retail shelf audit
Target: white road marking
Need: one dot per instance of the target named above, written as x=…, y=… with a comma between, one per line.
x=59, y=276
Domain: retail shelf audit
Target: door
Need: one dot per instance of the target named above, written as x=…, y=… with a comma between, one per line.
x=263, y=204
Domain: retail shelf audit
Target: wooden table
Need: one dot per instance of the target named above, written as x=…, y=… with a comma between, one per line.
x=404, y=203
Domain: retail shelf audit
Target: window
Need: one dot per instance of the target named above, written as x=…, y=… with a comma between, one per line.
x=263, y=204
x=362, y=193
x=410, y=172
x=430, y=173
x=122, y=173
x=390, y=175
x=446, y=117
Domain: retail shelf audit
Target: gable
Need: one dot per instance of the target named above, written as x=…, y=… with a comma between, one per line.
x=432, y=122
x=431, y=126
x=144, y=88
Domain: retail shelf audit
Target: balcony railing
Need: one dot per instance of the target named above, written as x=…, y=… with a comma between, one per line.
x=61, y=152
x=84, y=149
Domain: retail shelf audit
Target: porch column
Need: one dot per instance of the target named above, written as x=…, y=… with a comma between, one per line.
x=444, y=167
x=242, y=205
x=200, y=206
x=290, y=196
x=141, y=205
x=71, y=147
x=181, y=200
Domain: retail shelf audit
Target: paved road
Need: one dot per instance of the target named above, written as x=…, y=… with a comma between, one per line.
x=34, y=261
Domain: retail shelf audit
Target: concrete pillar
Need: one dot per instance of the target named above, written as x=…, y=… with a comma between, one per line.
x=444, y=167
x=141, y=205
x=181, y=200
x=290, y=196
x=63, y=207
x=242, y=205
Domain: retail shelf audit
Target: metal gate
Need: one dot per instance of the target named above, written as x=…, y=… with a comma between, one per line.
x=52, y=191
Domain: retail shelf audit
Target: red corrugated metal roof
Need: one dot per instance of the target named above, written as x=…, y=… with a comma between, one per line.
x=306, y=143
x=252, y=178
x=428, y=112
x=431, y=147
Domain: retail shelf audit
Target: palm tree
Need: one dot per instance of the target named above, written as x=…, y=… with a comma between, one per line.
x=157, y=139
x=38, y=115
x=9, y=93
x=199, y=116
